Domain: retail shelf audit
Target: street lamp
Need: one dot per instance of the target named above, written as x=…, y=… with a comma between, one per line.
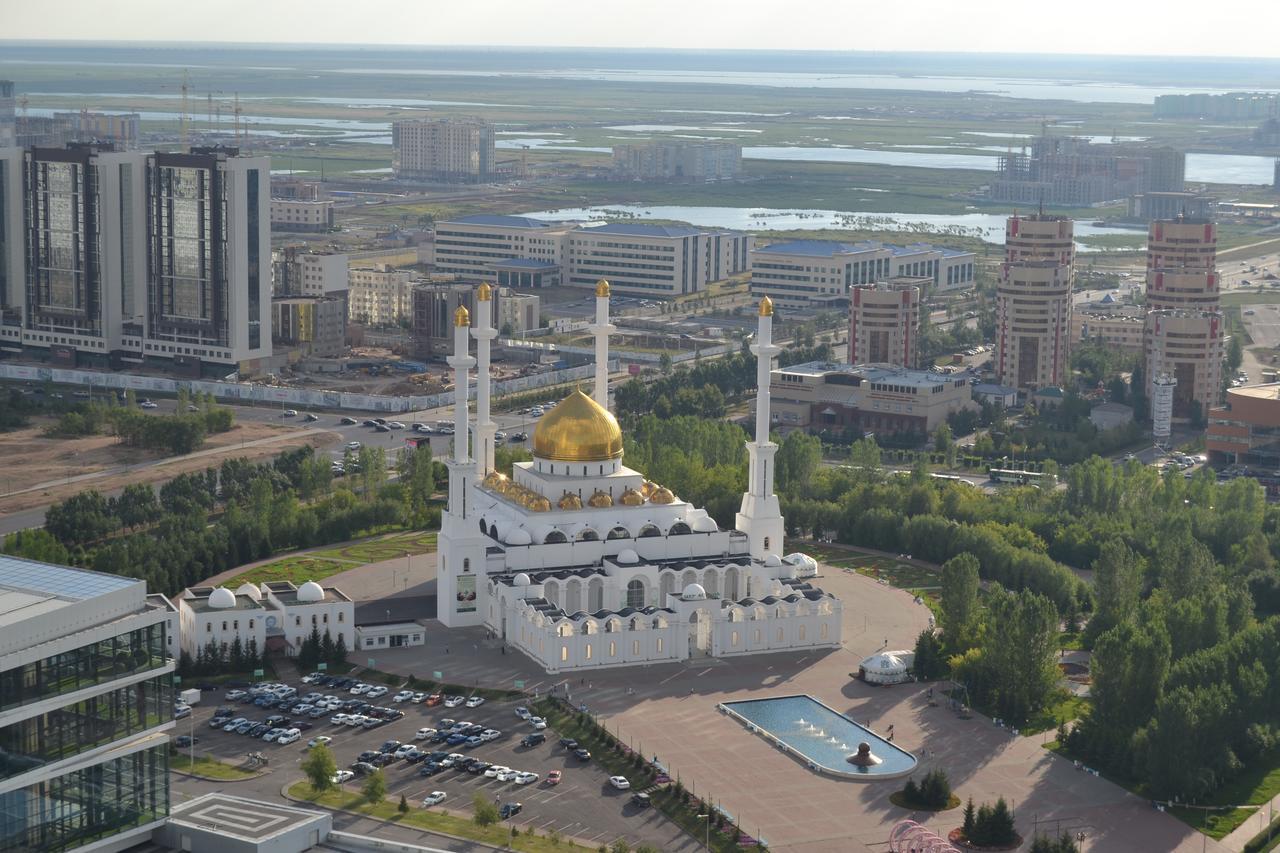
x=706, y=842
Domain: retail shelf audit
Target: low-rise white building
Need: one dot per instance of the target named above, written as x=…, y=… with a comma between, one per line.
x=275, y=614
x=391, y=635
x=291, y=214
x=380, y=296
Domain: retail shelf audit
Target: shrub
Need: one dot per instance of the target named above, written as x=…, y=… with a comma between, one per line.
x=484, y=812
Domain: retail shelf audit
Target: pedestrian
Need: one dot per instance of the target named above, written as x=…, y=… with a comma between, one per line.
x=446, y=650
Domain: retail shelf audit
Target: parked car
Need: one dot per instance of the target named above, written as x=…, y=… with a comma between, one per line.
x=343, y=776
x=319, y=741
x=418, y=697
x=375, y=692
x=522, y=712
x=434, y=699
x=363, y=768
x=582, y=754
x=234, y=695
x=181, y=711
x=510, y=810
x=402, y=696
x=289, y=413
x=641, y=800
x=526, y=778
x=147, y=404
x=489, y=735
x=403, y=750
x=453, y=701
x=353, y=445
x=538, y=723
x=620, y=782
x=568, y=743
x=423, y=733
x=554, y=777
x=348, y=421
x=272, y=734
x=475, y=702
x=533, y=739
x=182, y=741
x=429, y=768
x=435, y=798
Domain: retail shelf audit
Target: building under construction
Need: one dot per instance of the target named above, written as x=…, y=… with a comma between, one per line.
x=1069, y=171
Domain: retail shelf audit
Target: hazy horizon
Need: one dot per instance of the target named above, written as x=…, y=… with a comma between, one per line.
x=1087, y=28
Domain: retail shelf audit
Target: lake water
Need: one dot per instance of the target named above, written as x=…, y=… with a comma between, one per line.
x=863, y=155
x=1230, y=169
x=930, y=226
x=823, y=736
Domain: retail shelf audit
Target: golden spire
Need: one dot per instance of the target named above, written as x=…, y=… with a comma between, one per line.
x=484, y=293
x=462, y=317
x=602, y=288
x=766, y=307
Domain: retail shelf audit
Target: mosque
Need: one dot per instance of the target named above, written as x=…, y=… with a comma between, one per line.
x=581, y=563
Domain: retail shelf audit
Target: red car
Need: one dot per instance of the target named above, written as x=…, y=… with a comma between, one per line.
x=434, y=699
x=553, y=778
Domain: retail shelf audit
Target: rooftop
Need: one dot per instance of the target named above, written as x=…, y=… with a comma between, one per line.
x=198, y=600
x=500, y=221
x=636, y=229
x=1270, y=391
x=30, y=589
x=241, y=819
x=868, y=372
x=816, y=248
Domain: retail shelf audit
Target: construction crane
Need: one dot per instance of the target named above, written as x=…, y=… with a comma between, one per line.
x=183, y=120
x=238, y=112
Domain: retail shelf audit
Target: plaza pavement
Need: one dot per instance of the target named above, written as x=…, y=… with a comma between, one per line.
x=670, y=710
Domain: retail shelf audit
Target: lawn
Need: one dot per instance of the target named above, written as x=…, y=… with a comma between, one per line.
x=1255, y=786
x=317, y=565
x=207, y=768
x=436, y=821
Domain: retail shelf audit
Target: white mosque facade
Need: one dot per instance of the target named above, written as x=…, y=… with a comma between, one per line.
x=581, y=563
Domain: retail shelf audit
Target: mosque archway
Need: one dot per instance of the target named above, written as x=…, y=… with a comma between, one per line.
x=573, y=595
x=595, y=594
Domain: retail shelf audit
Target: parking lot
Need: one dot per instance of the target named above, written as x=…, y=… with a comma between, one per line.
x=583, y=805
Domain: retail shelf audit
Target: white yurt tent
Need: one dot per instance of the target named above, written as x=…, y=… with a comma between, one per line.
x=888, y=667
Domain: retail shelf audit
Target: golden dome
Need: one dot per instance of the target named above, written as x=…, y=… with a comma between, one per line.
x=538, y=503
x=484, y=292
x=600, y=500
x=647, y=488
x=569, y=500
x=662, y=495
x=766, y=307
x=631, y=498
x=578, y=430
x=493, y=480
x=462, y=317
x=602, y=288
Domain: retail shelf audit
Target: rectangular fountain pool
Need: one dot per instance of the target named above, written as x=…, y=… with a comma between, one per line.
x=821, y=736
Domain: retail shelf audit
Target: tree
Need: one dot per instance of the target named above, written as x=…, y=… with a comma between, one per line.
x=960, y=608
x=484, y=812
x=929, y=661
x=797, y=459
x=1018, y=653
x=320, y=767
x=374, y=789
x=864, y=458
x=1064, y=844
x=1235, y=355
x=969, y=817
x=664, y=364
x=1117, y=575
x=403, y=808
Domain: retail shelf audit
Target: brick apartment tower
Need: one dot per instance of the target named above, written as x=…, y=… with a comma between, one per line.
x=1033, y=302
x=884, y=319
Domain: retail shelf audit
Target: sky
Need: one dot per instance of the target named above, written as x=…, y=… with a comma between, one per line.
x=1126, y=27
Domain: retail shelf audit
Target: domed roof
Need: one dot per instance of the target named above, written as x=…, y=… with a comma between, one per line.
x=885, y=662
x=773, y=560
x=521, y=580
x=693, y=592
x=310, y=591
x=569, y=500
x=662, y=495
x=578, y=430
x=519, y=536
x=631, y=497
x=705, y=524
x=250, y=590
x=222, y=598
x=628, y=555
x=599, y=500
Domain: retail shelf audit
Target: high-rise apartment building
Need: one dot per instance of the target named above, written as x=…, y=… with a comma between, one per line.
x=884, y=319
x=8, y=122
x=380, y=296
x=1184, y=327
x=443, y=149
x=114, y=258
x=1077, y=171
x=86, y=704
x=120, y=129
x=1033, y=302
x=678, y=161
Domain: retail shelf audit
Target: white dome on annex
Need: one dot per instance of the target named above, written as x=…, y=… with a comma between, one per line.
x=222, y=598
x=628, y=555
x=693, y=592
x=250, y=590
x=310, y=592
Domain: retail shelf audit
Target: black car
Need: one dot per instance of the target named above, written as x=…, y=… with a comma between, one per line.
x=348, y=421
x=472, y=731
x=185, y=740
x=582, y=754
x=429, y=768
x=260, y=729
x=369, y=422
x=510, y=810
x=363, y=768
x=520, y=436
x=383, y=760
x=415, y=755
x=368, y=754
x=309, y=417
x=440, y=737
x=300, y=725
x=381, y=428
x=438, y=756
x=391, y=746
x=478, y=767
x=568, y=743
x=533, y=739
x=641, y=800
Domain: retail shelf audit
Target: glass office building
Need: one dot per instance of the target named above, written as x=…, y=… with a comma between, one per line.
x=86, y=702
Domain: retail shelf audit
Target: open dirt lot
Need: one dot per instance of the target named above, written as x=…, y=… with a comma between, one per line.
x=31, y=460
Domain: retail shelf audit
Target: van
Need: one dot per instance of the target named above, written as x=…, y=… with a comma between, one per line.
x=533, y=739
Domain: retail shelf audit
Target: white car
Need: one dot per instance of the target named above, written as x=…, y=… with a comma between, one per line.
x=317, y=741
x=490, y=734
x=538, y=723
x=403, y=750
x=147, y=404
x=492, y=772
x=360, y=688
x=375, y=692
x=452, y=759
x=353, y=445
x=356, y=720
x=475, y=701
x=234, y=695
x=423, y=733
x=343, y=776
x=340, y=719
x=526, y=778
x=402, y=696
x=453, y=701
x=507, y=775
x=522, y=712
x=290, y=413
x=395, y=424
x=619, y=782
x=435, y=798
x=291, y=736
x=459, y=726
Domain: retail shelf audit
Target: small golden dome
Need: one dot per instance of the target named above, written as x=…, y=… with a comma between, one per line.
x=484, y=293
x=631, y=498
x=766, y=307
x=570, y=501
x=493, y=480
x=600, y=500
x=602, y=288
x=538, y=503
x=647, y=488
x=578, y=430
x=662, y=495
x=462, y=317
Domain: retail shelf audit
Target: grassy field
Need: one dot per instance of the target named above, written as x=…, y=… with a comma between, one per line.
x=317, y=565
x=435, y=820
x=207, y=768
x=1254, y=787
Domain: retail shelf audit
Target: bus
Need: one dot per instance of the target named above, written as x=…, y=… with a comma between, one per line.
x=1011, y=475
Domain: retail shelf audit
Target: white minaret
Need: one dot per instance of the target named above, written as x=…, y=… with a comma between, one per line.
x=602, y=328
x=461, y=590
x=761, y=516
x=485, y=427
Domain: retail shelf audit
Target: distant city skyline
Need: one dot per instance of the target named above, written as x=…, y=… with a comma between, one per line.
x=1127, y=27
